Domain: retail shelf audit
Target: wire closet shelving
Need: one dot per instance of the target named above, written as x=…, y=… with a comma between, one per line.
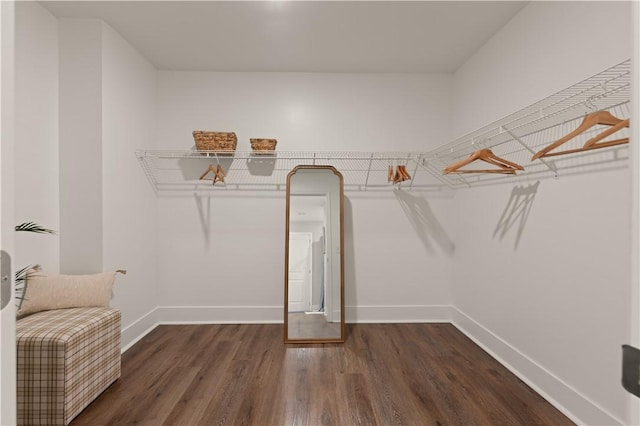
x=516, y=137
x=247, y=170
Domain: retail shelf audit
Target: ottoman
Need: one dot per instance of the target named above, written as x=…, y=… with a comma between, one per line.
x=65, y=359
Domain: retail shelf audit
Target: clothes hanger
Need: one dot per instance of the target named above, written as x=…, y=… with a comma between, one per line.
x=593, y=142
x=394, y=176
x=218, y=172
x=593, y=119
x=209, y=169
x=397, y=177
x=404, y=173
x=401, y=174
x=486, y=155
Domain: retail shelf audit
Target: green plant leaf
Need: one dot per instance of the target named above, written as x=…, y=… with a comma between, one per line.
x=23, y=274
x=33, y=227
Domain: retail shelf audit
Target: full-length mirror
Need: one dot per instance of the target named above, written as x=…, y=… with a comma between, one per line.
x=314, y=279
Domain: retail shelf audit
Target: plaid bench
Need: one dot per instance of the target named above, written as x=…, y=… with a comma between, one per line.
x=66, y=358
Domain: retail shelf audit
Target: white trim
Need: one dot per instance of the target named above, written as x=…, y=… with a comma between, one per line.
x=227, y=322
x=220, y=314
x=633, y=404
x=398, y=313
x=135, y=331
x=7, y=211
x=273, y=315
x=560, y=394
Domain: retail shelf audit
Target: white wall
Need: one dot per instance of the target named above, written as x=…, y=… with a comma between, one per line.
x=224, y=253
x=345, y=112
x=128, y=202
x=80, y=152
x=36, y=133
x=550, y=296
x=80, y=78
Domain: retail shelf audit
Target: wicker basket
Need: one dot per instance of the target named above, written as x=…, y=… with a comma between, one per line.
x=266, y=146
x=215, y=141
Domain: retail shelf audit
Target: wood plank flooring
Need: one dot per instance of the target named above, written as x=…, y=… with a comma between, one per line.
x=384, y=374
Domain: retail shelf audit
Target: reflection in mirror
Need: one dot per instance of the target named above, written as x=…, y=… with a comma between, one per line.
x=314, y=289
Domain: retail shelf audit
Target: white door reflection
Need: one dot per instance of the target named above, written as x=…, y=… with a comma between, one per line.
x=300, y=271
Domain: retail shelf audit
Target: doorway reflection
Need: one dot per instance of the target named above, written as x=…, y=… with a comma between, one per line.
x=313, y=287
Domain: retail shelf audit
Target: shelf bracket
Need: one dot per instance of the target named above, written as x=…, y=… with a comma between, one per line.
x=366, y=180
x=415, y=170
x=549, y=165
x=421, y=162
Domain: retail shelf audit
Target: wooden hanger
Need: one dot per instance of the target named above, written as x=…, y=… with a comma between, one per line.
x=397, y=177
x=404, y=173
x=486, y=155
x=596, y=118
x=401, y=174
x=218, y=172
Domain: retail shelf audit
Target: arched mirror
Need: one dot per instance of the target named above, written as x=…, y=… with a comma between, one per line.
x=313, y=273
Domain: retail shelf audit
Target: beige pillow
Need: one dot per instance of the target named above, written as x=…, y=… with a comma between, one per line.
x=47, y=292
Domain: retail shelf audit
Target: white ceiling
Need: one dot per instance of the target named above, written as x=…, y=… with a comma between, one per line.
x=301, y=36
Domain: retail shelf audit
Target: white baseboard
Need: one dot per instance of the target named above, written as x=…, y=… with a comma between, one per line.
x=274, y=314
x=138, y=329
x=220, y=314
x=565, y=398
x=397, y=313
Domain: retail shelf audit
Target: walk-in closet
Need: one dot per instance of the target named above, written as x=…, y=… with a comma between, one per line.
x=446, y=193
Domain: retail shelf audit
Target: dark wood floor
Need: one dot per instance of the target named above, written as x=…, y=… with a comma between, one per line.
x=385, y=374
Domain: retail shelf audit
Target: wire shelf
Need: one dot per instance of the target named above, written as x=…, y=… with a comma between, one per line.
x=515, y=137
x=518, y=136
x=173, y=170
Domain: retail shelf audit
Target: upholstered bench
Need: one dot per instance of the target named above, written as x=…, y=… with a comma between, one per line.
x=66, y=358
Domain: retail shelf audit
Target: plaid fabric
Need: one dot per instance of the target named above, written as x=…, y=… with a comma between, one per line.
x=66, y=358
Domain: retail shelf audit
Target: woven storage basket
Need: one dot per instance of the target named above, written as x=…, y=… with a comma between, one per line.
x=215, y=141
x=263, y=145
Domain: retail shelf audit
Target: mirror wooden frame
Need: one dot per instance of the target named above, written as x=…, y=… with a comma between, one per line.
x=341, y=339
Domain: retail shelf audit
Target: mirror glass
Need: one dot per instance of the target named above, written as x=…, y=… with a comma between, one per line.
x=314, y=288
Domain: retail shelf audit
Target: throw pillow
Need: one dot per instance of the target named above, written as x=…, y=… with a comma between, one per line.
x=47, y=292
